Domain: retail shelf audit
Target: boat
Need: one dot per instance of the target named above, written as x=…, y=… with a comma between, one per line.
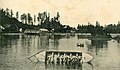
x=50, y=55
x=35, y=31
x=80, y=45
x=32, y=32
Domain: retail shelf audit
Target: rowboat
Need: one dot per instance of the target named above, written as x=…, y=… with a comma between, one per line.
x=53, y=55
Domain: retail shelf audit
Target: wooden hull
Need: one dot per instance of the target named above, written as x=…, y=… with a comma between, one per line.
x=42, y=56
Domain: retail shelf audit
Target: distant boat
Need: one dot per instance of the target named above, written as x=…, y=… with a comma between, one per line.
x=44, y=55
x=35, y=31
x=31, y=31
x=80, y=45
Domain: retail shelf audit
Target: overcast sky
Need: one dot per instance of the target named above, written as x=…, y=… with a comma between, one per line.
x=72, y=12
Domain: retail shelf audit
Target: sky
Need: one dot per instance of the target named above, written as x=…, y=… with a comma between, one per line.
x=72, y=12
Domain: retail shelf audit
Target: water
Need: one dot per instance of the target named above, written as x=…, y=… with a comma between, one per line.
x=15, y=50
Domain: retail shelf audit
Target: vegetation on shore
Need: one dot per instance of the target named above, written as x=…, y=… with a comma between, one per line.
x=11, y=22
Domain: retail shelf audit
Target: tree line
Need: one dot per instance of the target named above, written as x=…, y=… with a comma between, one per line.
x=44, y=21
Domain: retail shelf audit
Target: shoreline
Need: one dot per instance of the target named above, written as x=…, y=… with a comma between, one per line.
x=48, y=33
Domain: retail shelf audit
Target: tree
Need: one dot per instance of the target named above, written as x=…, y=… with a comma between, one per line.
x=34, y=18
x=17, y=15
x=24, y=18
x=29, y=19
x=58, y=16
x=7, y=11
x=39, y=18
x=79, y=26
x=11, y=13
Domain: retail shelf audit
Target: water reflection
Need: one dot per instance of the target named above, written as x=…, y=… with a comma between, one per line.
x=8, y=40
x=62, y=67
x=98, y=43
x=40, y=42
x=15, y=49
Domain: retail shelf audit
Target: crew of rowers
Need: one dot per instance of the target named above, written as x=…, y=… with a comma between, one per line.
x=64, y=58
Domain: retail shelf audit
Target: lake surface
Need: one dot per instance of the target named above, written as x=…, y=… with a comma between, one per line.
x=15, y=50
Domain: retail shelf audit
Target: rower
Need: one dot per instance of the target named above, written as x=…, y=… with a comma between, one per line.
x=52, y=60
x=58, y=59
x=70, y=59
x=62, y=59
x=66, y=59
